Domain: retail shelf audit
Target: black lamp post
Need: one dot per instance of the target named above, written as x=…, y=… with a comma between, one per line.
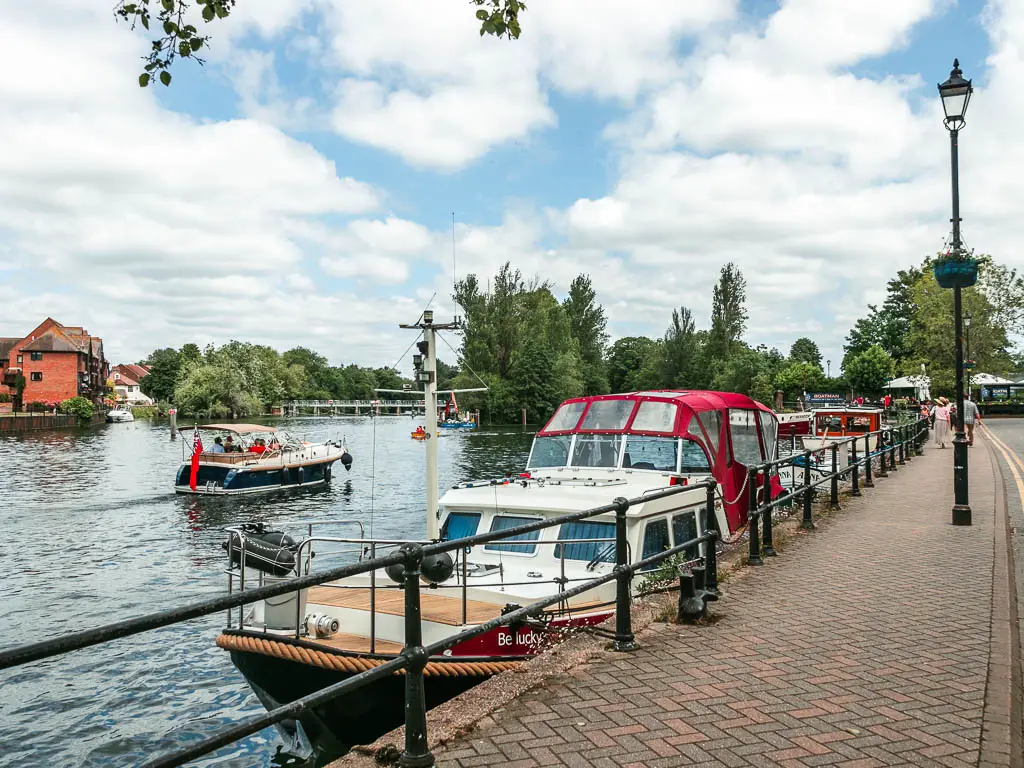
x=967, y=344
x=956, y=93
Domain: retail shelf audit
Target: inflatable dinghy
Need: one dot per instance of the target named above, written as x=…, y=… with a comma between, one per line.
x=272, y=552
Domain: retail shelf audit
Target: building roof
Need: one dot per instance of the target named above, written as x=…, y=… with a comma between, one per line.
x=52, y=341
x=125, y=381
x=137, y=372
x=6, y=345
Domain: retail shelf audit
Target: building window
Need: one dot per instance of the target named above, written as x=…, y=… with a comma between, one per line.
x=37, y=375
x=37, y=356
x=19, y=359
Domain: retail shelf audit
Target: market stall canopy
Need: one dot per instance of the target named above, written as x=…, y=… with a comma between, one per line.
x=988, y=379
x=919, y=383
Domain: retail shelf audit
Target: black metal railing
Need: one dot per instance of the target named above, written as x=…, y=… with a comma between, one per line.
x=415, y=654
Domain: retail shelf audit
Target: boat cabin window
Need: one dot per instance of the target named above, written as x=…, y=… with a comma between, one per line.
x=608, y=414
x=655, y=540
x=830, y=424
x=694, y=458
x=503, y=523
x=655, y=416
x=656, y=453
x=459, y=525
x=684, y=529
x=769, y=431
x=602, y=551
x=550, y=451
x=858, y=424
x=712, y=423
x=566, y=417
x=746, y=448
x=596, y=451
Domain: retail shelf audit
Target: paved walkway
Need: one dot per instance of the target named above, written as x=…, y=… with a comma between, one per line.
x=865, y=643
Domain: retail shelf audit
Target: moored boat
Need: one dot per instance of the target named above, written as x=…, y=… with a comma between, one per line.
x=120, y=413
x=592, y=450
x=252, y=458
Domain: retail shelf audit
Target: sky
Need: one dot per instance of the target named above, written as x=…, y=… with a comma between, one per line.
x=299, y=189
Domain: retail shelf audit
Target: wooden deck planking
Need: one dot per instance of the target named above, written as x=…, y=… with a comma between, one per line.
x=441, y=609
x=343, y=641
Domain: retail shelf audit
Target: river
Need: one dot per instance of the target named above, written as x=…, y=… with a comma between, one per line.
x=93, y=533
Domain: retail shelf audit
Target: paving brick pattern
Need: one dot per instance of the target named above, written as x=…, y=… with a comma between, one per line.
x=865, y=643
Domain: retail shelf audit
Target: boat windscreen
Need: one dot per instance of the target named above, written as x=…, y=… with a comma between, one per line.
x=608, y=414
x=655, y=416
x=566, y=417
x=552, y=451
x=652, y=453
x=596, y=451
x=694, y=458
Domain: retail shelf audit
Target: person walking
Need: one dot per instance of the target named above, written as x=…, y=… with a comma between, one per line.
x=972, y=416
x=942, y=431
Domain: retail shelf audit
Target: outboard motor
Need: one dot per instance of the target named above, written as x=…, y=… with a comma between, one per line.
x=346, y=460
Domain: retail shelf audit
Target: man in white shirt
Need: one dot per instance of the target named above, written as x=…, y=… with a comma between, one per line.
x=218, y=446
x=971, y=416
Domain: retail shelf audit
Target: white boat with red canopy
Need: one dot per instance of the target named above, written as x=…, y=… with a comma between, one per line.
x=592, y=450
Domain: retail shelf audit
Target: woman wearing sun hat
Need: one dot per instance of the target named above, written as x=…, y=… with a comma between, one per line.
x=943, y=434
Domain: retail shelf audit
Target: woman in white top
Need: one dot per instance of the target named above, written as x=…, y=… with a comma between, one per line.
x=943, y=434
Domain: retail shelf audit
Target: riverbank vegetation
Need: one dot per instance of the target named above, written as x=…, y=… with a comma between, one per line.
x=532, y=350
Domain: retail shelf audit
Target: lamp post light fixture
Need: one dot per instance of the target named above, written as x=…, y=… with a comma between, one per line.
x=956, y=94
x=829, y=364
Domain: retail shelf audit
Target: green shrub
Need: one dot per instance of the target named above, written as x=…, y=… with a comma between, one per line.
x=78, y=406
x=5, y=397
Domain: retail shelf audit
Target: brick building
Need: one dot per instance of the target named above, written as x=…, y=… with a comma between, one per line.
x=58, y=361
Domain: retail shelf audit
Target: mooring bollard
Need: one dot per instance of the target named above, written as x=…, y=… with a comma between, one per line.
x=892, y=453
x=416, y=751
x=807, y=523
x=906, y=451
x=754, y=550
x=833, y=501
x=868, y=468
x=883, y=449
x=624, y=640
x=710, y=553
x=700, y=584
x=855, y=479
x=691, y=607
x=768, y=547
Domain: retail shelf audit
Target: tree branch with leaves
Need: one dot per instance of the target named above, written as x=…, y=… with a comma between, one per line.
x=180, y=39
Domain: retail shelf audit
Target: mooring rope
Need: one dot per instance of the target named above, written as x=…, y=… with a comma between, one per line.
x=354, y=664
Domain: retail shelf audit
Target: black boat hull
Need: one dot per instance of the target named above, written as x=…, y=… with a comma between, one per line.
x=358, y=717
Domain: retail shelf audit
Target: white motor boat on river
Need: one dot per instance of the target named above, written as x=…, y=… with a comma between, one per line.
x=592, y=450
x=253, y=458
x=120, y=413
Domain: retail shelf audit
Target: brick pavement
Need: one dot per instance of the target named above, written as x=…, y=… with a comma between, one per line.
x=865, y=643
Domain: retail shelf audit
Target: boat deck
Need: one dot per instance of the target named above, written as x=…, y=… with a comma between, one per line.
x=434, y=606
x=342, y=641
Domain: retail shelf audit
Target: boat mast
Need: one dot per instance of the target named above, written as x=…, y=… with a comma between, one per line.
x=426, y=372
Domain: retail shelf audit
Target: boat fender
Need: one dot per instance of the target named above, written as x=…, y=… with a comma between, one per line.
x=320, y=625
x=437, y=568
x=272, y=552
x=327, y=472
x=301, y=474
x=346, y=460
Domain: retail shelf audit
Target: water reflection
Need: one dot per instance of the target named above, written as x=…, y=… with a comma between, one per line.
x=94, y=533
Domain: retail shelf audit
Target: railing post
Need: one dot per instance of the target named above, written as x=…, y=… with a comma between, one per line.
x=892, y=452
x=906, y=454
x=416, y=754
x=868, y=469
x=624, y=640
x=855, y=479
x=807, y=523
x=922, y=436
x=833, y=501
x=710, y=547
x=883, y=451
x=766, y=524
x=754, y=550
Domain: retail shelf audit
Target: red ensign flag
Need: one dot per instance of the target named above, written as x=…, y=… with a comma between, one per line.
x=197, y=448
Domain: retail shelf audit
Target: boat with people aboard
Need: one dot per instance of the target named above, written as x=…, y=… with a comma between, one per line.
x=453, y=418
x=592, y=450
x=120, y=413
x=253, y=458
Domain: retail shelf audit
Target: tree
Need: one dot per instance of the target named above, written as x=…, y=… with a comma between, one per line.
x=587, y=324
x=630, y=361
x=888, y=326
x=728, y=314
x=165, y=365
x=1004, y=290
x=805, y=351
x=181, y=38
x=868, y=371
x=680, y=351
x=799, y=377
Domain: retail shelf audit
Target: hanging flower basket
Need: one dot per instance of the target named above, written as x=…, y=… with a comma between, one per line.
x=951, y=272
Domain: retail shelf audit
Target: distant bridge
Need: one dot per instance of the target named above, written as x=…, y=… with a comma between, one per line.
x=337, y=407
